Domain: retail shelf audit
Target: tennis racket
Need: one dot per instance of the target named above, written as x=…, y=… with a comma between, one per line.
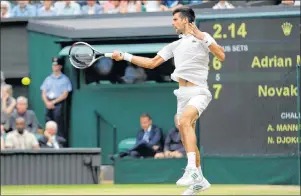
x=82, y=55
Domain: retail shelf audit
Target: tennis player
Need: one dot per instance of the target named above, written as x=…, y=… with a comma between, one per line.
x=191, y=57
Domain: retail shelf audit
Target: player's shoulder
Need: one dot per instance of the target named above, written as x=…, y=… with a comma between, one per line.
x=176, y=41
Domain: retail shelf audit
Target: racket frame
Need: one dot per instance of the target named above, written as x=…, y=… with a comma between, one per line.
x=95, y=53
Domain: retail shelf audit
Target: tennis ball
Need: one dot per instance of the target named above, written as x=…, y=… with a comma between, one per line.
x=25, y=81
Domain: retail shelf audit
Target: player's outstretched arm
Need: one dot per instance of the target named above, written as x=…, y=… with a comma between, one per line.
x=217, y=50
x=145, y=62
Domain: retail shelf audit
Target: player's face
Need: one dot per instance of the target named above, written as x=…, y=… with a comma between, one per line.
x=145, y=122
x=178, y=23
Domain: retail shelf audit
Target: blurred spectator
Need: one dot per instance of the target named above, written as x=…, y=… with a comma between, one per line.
x=50, y=139
x=290, y=2
x=8, y=103
x=223, y=4
x=67, y=7
x=28, y=115
x=2, y=143
x=169, y=5
x=189, y=2
x=2, y=138
x=47, y=9
x=5, y=12
x=55, y=90
x=2, y=129
x=92, y=8
x=24, y=9
x=129, y=6
x=20, y=138
x=134, y=74
x=152, y=6
x=148, y=140
x=2, y=78
x=173, y=146
x=112, y=7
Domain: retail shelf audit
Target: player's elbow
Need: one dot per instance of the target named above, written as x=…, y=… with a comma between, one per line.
x=152, y=64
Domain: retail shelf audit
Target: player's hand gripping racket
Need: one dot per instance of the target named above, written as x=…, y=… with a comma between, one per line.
x=83, y=55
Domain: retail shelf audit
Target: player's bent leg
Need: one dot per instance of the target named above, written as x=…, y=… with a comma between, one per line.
x=177, y=121
x=187, y=119
x=198, y=156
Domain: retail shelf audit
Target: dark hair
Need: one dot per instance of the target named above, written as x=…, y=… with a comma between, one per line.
x=186, y=12
x=146, y=115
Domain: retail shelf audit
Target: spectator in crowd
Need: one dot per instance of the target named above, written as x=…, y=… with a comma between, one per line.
x=2, y=143
x=2, y=129
x=129, y=6
x=152, y=6
x=47, y=9
x=55, y=90
x=2, y=77
x=2, y=139
x=169, y=5
x=92, y=8
x=290, y=2
x=50, y=139
x=20, y=138
x=223, y=4
x=28, y=115
x=8, y=103
x=112, y=7
x=134, y=74
x=24, y=9
x=148, y=140
x=173, y=146
x=67, y=7
x=5, y=12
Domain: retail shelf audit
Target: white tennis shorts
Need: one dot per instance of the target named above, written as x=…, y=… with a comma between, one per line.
x=197, y=96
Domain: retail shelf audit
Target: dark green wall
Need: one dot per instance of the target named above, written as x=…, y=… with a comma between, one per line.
x=274, y=170
x=41, y=48
x=120, y=105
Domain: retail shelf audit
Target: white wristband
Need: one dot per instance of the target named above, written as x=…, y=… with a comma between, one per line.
x=207, y=41
x=127, y=57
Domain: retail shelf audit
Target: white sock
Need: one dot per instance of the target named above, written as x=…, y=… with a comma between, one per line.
x=191, y=159
x=200, y=170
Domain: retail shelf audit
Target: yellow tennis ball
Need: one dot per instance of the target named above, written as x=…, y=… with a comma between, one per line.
x=25, y=81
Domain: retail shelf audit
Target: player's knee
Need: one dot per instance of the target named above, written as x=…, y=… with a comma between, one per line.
x=185, y=122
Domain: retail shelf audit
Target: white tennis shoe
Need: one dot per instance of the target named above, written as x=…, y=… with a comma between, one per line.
x=190, y=177
x=197, y=187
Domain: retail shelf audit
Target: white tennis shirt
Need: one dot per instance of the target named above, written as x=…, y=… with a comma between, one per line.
x=191, y=59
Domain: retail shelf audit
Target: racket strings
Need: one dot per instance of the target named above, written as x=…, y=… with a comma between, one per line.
x=81, y=56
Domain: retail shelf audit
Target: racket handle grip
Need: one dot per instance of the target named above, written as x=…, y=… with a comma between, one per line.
x=108, y=55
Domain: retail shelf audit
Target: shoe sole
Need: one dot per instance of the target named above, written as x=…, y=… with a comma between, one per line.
x=204, y=189
x=184, y=184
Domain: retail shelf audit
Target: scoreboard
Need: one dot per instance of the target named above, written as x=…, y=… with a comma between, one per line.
x=254, y=91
